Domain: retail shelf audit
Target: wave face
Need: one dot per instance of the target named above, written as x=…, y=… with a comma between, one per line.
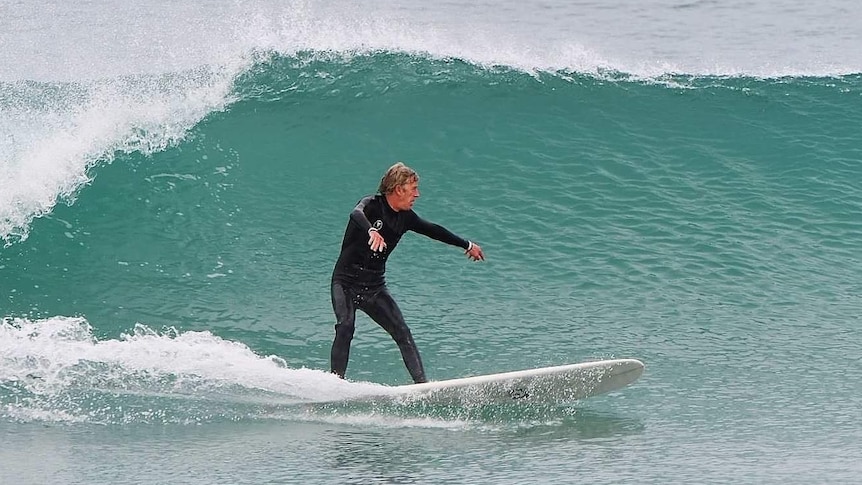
x=671, y=195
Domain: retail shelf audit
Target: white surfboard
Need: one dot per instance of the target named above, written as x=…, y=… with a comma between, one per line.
x=547, y=385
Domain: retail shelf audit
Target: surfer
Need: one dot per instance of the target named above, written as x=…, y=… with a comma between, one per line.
x=375, y=226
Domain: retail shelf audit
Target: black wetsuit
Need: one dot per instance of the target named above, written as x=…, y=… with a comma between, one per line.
x=358, y=278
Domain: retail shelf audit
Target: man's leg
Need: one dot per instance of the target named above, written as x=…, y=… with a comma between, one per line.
x=383, y=310
x=345, y=316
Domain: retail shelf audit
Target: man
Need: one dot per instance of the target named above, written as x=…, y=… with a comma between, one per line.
x=375, y=226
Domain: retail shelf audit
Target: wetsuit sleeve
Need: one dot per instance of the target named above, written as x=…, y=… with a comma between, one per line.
x=358, y=216
x=436, y=231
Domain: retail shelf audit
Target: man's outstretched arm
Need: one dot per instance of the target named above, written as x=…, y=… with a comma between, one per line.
x=440, y=233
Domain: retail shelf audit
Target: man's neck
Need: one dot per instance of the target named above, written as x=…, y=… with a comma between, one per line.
x=389, y=201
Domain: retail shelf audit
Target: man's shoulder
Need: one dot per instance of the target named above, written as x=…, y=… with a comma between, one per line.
x=368, y=200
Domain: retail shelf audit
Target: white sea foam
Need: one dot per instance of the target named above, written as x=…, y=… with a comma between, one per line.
x=105, y=39
x=52, y=135
x=56, y=359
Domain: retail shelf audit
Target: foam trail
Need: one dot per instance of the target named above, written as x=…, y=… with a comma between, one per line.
x=60, y=362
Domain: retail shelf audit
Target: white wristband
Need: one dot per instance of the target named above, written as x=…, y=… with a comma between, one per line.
x=469, y=246
x=374, y=229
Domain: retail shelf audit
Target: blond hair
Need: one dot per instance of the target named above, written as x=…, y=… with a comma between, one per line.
x=397, y=175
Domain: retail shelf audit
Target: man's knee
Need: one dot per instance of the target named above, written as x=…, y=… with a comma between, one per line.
x=344, y=329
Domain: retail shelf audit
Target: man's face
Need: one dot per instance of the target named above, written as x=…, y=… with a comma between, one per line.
x=406, y=195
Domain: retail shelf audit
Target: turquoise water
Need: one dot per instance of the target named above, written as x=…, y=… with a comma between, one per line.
x=169, y=234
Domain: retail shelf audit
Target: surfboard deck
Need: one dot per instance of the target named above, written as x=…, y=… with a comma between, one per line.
x=546, y=385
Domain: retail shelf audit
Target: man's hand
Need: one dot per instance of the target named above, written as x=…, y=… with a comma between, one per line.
x=375, y=240
x=475, y=253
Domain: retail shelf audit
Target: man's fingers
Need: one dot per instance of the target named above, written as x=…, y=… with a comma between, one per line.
x=376, y=242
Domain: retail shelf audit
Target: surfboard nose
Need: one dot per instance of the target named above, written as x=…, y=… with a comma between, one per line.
x=626, y=366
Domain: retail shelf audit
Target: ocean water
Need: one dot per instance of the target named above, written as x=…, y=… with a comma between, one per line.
x=674, y=181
